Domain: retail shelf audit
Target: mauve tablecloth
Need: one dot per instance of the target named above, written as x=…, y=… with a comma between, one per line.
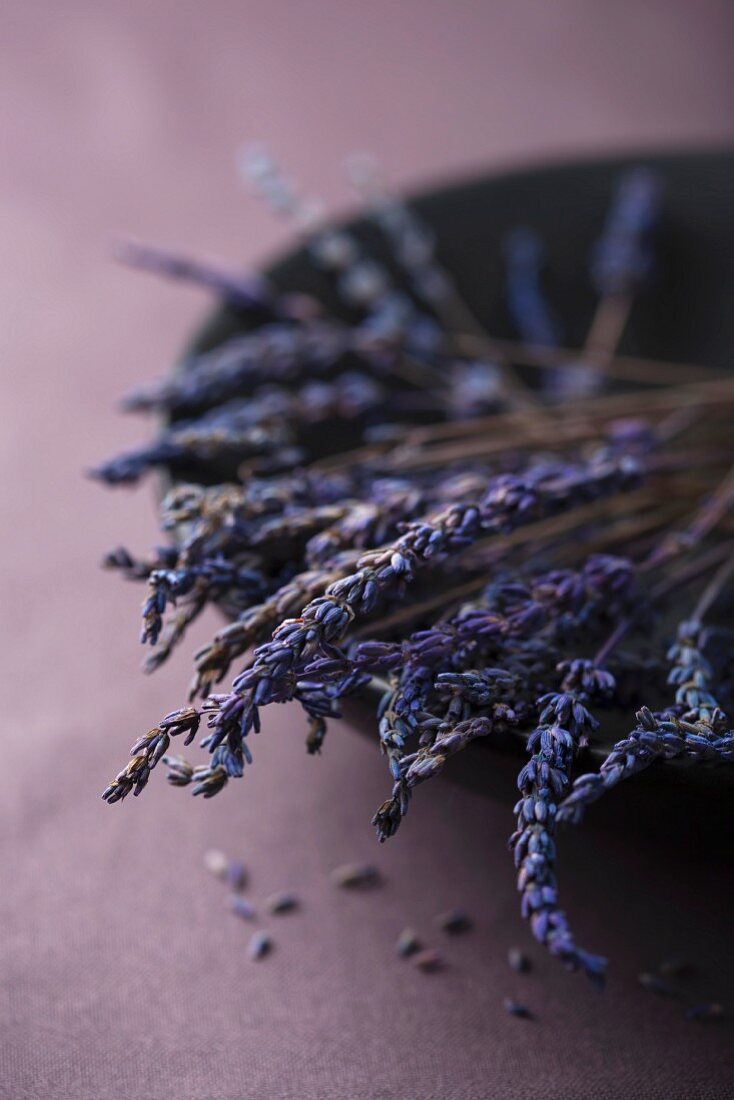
x=122, y=974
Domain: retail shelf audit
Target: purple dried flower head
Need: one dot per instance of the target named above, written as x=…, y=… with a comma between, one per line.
x=180, y=772
x=209, y=781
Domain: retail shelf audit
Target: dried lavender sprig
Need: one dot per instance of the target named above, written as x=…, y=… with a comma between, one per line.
x=222, y=538
x=535, y=320
x=366, y=284
x=564, y=726
x=509, y=502
x=277, y=352
x=529, y=309
x=197, y=515
x=508, y=608
x=207, y=521
x=257, y=623
x=368, y=524
x=322, y=701
x=199, y=583
x=656, y=737
x=413, y=247
x=564, y=600
x=148, y=750
x=266, y=424
x=139, y=569
x=273, y=675
x=249, y=292
x=168, y=636
x=696, y=728
x=362, y=281
x=203, y=444
x=621, y=262
x=429, y=762
x=623, y=255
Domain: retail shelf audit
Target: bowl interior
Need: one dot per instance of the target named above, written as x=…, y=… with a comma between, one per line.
x=684, y=315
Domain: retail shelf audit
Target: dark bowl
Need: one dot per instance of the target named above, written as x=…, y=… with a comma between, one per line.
x=685, y=315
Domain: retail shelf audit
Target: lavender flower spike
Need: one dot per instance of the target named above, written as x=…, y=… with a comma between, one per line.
x=148, y=750
x=695, y=727
x=565, y=724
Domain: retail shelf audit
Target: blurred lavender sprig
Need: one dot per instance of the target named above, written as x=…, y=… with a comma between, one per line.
x=529, y=309
x=623, y=256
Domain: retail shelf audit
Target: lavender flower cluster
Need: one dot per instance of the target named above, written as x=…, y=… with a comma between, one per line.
x=383, y=502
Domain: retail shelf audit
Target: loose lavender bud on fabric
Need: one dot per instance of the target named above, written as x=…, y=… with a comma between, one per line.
x=516, y=1008
x=236, y=875
x=454, y=921
x=429, y=961
x=518, y=960
x=282, y=903
x=408, y=943
x=352, y=876
x=259, y=946
x=241, y=907
x=216, y=863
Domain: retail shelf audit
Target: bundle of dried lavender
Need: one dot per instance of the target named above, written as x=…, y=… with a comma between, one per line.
x=477, y=542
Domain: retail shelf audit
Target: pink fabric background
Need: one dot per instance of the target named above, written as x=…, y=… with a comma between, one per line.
x=121, y=973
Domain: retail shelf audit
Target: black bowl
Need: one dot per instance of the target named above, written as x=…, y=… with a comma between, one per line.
x=684, y=315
